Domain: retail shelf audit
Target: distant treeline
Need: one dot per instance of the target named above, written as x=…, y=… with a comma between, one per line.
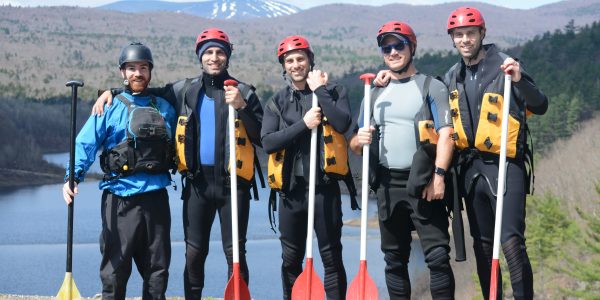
x=29, y=129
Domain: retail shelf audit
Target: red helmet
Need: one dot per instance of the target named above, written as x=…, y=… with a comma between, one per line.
x=465, y=16
x=293, y=42
x=400, y=28
x=212, y=34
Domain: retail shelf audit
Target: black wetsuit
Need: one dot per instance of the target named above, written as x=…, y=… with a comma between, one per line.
x=293, y=206
x=206, y=192
x=478, y=168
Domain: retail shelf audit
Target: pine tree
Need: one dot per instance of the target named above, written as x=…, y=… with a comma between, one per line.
x=585, y=267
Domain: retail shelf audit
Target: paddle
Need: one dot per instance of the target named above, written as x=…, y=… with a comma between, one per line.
x=69, y=290
x=500, y=191
x=236, y=288
x=308, y=285
x=362, y=286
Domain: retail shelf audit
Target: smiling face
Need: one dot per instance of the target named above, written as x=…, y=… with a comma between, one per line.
x=214, y=61
x=297, y=65
x=396, y=59
x=138, y=74
x=467, y=40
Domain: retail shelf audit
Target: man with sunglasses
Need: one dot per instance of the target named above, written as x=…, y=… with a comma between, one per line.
x=409, y=115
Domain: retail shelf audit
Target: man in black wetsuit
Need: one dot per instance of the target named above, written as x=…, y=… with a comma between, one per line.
x=287, y=126
x=476, y=86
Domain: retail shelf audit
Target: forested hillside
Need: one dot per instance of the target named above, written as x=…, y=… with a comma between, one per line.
x=565, y=64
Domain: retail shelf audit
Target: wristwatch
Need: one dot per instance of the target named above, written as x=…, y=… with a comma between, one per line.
x=440, y=171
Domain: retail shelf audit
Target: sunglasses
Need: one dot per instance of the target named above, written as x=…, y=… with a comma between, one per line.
x=387, y=49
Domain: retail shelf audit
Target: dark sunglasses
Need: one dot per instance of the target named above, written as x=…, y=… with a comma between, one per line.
x=387, y=49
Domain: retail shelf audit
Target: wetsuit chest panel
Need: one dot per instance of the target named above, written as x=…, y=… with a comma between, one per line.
x=394, y=112
x=206, y=111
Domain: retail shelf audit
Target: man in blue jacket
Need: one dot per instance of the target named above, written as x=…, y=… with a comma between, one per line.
x=135, y=134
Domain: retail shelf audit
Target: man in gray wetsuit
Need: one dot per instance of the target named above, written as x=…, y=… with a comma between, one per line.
x=410, y=115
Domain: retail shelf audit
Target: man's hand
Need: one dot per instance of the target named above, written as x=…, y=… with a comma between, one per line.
x=361, y=138
x=434, y=189
x=234, y=98
x=67, y=193
x=312, y=118
x=512, y=67
x=383, y=78
x=98, y=108
x=316, y=78
x=364, y=135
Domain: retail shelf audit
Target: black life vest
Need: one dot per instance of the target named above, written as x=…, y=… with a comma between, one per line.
x=147, y=147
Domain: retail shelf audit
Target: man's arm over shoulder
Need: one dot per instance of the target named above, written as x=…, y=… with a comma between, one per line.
x=171, y=92
x=274, y=135
x=252, y=114
x=439, y=104
x=333, y=100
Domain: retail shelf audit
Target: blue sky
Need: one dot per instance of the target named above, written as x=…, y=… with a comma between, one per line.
x=522, y=4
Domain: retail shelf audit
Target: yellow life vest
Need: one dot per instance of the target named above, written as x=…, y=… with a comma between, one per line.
x=487, y=138
x=245, y=154
x=334, y=154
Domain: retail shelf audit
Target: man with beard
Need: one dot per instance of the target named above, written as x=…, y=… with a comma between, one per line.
x=202, y=154
x=136, y=219
x=287, y=126
x=408, y=116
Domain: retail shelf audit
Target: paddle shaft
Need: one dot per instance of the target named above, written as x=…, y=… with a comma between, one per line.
x=365, y=175
x=74, y=85
x=311, y=185
x=233, y=181
x=501, y=184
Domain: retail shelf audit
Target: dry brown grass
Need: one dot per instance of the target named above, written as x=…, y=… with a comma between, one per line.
x=571, y=169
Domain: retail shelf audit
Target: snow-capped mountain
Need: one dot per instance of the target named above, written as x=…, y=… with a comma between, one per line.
x=214, y=9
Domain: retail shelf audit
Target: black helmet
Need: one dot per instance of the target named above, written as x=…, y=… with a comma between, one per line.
x=135, y=52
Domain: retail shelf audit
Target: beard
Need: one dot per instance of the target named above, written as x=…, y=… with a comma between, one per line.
x=139, y=86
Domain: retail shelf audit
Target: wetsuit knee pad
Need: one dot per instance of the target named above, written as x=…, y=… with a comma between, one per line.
x=292, y=258
x=332, y=258
x=519, y=266
x=437, y=257
x=396, y=258
x=442, y=278
x=194, y=255
x=483, y=250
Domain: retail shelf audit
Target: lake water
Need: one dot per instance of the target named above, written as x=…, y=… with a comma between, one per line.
x=33, y=225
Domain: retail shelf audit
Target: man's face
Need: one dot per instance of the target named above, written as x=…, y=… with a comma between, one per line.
x=297, y=65
x=396, y=52
x=138, y=74
x=467, y=40
x=214, y=61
